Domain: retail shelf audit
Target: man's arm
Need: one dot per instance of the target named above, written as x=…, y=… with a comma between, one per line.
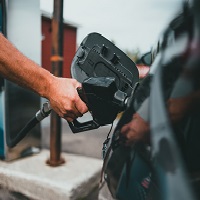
x=61, y=92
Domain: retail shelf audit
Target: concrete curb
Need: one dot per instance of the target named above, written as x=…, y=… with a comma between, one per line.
x=33, y=178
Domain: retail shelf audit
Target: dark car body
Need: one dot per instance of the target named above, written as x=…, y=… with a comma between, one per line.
x=168, y=100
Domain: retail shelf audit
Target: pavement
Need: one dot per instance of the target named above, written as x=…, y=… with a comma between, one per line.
x=31, y=179
x=76, y=179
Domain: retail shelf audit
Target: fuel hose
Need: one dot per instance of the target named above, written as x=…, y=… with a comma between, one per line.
x=40, y=115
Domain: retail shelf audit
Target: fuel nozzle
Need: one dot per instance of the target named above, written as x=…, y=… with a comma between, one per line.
x=104, y=101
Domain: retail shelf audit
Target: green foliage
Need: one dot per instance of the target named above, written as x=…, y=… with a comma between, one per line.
x=134, y=54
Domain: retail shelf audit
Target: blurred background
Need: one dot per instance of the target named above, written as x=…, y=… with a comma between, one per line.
x=131, y=24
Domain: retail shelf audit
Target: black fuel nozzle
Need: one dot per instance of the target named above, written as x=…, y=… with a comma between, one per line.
x=104, y=101
x=107, y=75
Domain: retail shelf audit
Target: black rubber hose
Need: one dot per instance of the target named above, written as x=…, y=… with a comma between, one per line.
x=13, y=142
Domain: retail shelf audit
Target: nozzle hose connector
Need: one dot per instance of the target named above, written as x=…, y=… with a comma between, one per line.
x=44, y=111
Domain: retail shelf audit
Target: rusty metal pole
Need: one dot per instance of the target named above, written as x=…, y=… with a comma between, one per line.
x=57, y=63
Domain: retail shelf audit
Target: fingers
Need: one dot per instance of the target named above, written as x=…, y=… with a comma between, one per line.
x=69, y=119
x=65, y=100
x=136, y=130
x=70, y=116
x=124, y=129
x=81, y=106
x=78, y=108
x=70, y=113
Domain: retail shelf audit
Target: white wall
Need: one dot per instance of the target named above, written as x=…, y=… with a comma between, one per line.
x=24, y=27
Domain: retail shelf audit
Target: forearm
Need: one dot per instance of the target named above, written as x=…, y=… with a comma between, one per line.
x=61, y=92
x=16, y=67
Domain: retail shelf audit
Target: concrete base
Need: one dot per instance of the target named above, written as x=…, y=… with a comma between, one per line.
x=32, y=177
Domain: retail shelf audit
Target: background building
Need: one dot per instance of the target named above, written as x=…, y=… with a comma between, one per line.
x=69, y=43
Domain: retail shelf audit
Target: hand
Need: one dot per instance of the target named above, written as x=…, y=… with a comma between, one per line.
x=64, y=98
x=136, y=130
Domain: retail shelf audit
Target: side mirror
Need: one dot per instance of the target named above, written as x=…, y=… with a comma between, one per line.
x=147, y=58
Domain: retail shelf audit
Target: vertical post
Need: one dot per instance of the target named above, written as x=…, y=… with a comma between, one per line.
x=57, y=62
